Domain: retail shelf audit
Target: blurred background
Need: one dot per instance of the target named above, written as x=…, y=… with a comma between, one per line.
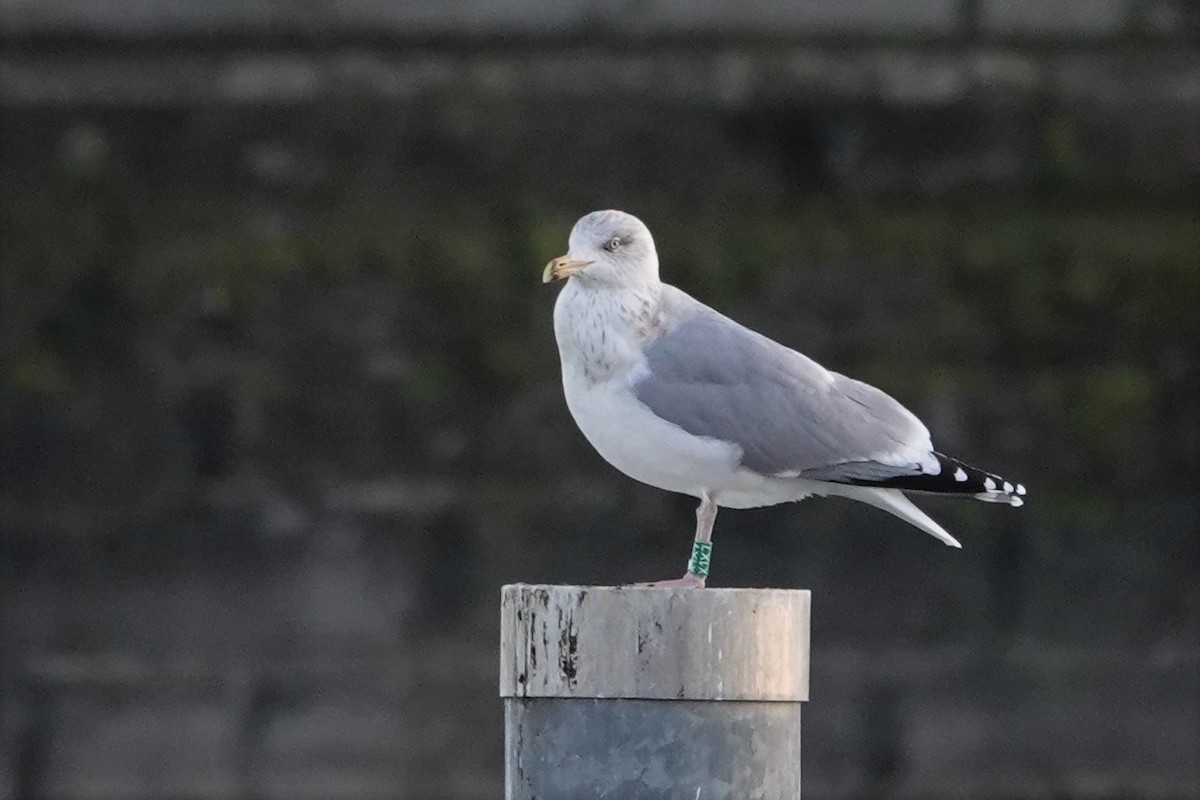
x=279, y=399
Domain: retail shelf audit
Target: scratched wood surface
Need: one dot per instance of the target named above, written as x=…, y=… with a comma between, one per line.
x=609, y=642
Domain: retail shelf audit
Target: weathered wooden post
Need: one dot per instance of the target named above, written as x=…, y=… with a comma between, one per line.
x=626, y=692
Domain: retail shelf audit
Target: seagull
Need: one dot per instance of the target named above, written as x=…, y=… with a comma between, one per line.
x=683, y=398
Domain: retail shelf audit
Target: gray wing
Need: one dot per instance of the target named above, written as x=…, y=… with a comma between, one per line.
x=790, y=416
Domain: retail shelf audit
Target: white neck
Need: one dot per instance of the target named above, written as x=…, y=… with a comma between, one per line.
x=600, y=330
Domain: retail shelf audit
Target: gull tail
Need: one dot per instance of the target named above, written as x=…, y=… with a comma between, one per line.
x=893, y=501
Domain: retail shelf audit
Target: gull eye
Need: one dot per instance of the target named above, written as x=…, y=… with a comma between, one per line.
x=612, y=244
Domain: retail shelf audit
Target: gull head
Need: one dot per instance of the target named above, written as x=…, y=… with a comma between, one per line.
x=607, y=248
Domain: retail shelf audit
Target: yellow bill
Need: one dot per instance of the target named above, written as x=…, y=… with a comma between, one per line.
x=562, y=268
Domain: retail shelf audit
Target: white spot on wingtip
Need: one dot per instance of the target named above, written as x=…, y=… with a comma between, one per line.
x=1016, y=502
x=1020, y=488
x=1008, y=488
x=989, y=484
x=959, y=475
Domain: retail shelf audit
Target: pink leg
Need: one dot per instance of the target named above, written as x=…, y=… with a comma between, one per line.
x=706, y=515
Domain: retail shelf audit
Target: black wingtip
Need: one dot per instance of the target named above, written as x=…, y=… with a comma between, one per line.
x=957, y=477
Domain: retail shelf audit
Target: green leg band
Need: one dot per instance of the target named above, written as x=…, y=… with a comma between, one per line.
x=701, y=559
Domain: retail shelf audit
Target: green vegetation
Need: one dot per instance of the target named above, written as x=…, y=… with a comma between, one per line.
x=1059, y=329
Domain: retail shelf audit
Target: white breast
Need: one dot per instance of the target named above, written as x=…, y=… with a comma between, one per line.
x=601, y=360
x=631, y=438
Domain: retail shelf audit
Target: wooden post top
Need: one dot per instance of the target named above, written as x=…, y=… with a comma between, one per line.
x=654, y=644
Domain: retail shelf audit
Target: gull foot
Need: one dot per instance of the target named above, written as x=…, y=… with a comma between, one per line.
x=688, y=581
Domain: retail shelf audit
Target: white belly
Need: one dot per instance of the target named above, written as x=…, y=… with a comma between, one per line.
x=599, y=344
x=649, y=449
